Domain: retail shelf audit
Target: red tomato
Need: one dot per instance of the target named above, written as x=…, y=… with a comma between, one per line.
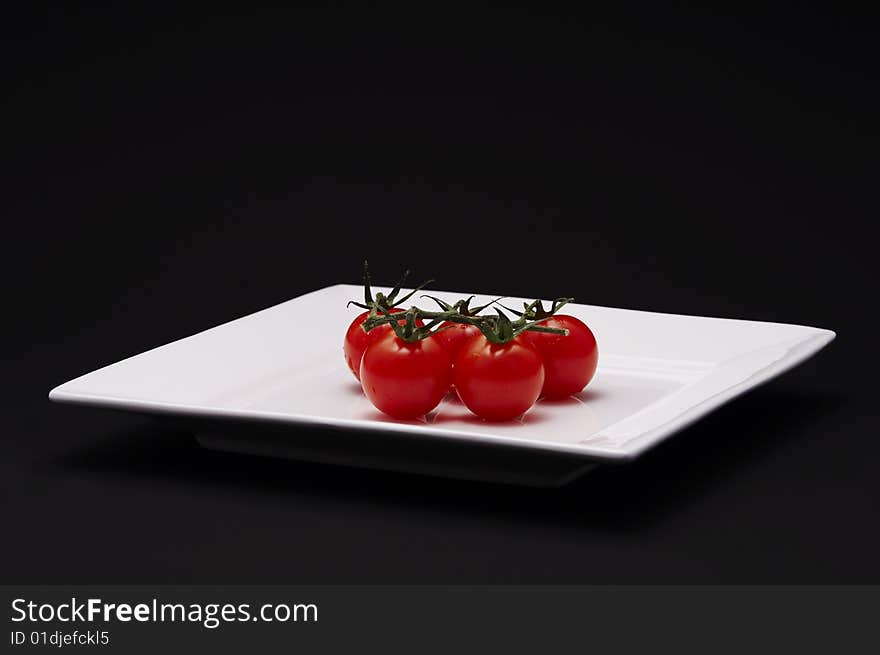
x=405, y=379
x=569, y=361
x=456, y=336
x=356, y=340
x=498, y=382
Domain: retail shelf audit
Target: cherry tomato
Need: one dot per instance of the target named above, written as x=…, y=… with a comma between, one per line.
x=456, y=336
x=405, y=379
x=498, y=382
x=356, y=340
x=569, y=360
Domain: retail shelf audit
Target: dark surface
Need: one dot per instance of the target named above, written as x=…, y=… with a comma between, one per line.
x=163, y=174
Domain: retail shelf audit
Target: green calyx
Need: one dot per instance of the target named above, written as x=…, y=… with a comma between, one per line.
x=498, y=328
x=535, y=311
x=461, y=307
x=382, y=301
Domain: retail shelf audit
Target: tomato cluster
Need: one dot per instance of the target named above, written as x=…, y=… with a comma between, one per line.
x=408, y=361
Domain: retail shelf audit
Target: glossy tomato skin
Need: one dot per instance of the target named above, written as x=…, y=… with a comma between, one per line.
x=498, y=382
x=569, y=361
x=356, y=340
x=405, y=380
x=456, y=336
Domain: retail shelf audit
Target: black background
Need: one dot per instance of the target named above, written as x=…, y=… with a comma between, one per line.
x=165, y=172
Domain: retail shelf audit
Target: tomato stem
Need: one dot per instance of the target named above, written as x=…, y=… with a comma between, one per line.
x=498, y=328
x=385, y=302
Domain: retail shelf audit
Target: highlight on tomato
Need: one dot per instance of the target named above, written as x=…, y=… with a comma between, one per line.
x=404, y=378
x=356, y=338
x=497, y=374
x=570, y=361
x=452, y=335
x=498, y=381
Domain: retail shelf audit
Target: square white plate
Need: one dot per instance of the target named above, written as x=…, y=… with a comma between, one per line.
x=657, y=373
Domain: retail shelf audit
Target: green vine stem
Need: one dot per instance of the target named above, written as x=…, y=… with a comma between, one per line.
x=535, y=311
x=498, y=329
x=382, y=301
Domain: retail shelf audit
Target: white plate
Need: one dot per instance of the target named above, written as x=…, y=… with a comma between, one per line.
x=657, y=373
